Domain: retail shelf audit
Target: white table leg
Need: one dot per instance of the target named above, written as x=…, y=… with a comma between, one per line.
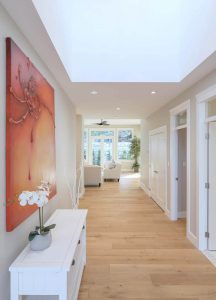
x=15, y=287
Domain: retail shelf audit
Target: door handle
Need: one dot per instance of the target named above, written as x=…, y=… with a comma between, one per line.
x=73, y=262
x=156, y=172
x=176, y=179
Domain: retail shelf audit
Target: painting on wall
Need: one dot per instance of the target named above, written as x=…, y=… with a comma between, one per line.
x=30, y=133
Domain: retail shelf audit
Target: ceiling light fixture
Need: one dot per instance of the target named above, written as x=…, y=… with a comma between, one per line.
x=117, y=108
x=94, y=93
x=153, y=92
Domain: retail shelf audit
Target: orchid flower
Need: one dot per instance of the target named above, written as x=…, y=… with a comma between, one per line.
x=24, y=197
x=39, y=198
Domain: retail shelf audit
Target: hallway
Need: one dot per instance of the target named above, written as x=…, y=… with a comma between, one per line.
x=135, y=252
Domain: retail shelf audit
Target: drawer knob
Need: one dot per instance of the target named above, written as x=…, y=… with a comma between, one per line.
x=79, y=242
x=73, y=262
x=83, y=227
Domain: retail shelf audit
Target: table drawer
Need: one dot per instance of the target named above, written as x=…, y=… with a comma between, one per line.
x=37, y=281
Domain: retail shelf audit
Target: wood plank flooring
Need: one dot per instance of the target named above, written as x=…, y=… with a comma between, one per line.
x=135, y=252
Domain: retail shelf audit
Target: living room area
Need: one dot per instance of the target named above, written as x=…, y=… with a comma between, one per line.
x=111, y=150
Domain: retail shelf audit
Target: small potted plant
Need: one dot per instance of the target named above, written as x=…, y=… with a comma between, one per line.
x=135, y=152
x=41, y=237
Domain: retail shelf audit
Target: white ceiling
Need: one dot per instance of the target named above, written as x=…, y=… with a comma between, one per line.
x=130, y=40
x=133, y=98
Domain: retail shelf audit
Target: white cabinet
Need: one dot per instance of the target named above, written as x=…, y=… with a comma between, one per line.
x=58, y=269
x=157, y=166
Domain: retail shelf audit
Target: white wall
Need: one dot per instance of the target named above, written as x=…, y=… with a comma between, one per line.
x=197, y=32
x=160, y=118
x=79, y=152
x=12, y=243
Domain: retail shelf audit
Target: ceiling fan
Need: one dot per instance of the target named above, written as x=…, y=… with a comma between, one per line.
x=103, y=123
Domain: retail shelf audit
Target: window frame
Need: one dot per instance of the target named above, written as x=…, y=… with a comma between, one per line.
x=87, y=150
x=117, y=141
x=91, y=137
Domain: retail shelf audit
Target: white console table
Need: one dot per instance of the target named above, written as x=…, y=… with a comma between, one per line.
x=58, y=269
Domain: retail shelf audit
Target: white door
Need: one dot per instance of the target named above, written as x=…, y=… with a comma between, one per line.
x=212, y=187
x=161, y=154
x=153, y=166
x=157, y=176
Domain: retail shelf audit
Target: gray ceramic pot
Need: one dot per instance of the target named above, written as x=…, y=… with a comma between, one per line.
x=41, y=242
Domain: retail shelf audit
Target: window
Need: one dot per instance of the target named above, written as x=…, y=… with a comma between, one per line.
x=96, y=152
x=102, y=143
x=102, y=133
x=85, y=145
x=211, y=108
x=181, y=118
x=124, y=141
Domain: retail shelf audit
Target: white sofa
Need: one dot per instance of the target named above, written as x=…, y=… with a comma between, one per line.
x=113, y=173
x=92, y=175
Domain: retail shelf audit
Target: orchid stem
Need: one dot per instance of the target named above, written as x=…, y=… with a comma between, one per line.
x=40, y=219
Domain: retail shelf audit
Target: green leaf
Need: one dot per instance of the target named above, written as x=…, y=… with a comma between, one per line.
x=32, y=235
x=47, y=228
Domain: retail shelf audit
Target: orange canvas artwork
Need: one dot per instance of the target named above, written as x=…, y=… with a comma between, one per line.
x=30, y=133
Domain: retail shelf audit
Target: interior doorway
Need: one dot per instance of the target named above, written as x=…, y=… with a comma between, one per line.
x=180, y=164
x=182, y=173
x=158, y=166
x=102, y=150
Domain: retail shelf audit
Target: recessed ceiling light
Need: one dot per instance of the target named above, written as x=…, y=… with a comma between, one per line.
x=117, y=108
x=153, y=92
x=94, y=93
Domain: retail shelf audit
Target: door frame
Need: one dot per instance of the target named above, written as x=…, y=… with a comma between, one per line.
x=102, y=138
x=202, y=163
x=162, y=129
x=185, y=106
x=90, y=139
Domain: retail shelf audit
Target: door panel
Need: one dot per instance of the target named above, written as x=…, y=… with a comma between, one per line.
x=157, y=168
x=212, y=187
x=108, y=149
x=161, y=170
x=153, y=163
x=102, y=150
x=96, y=151
x=182, y=170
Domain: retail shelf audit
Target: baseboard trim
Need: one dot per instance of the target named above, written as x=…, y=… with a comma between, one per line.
x=211, y=255
x=144, y=188
x=182, y=214
x=192, y=238
x=81, y=195
x=167, y=213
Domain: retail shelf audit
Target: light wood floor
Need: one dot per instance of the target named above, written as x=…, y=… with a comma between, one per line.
x=135, y=252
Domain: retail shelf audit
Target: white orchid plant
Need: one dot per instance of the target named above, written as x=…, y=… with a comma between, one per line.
x=39, y=198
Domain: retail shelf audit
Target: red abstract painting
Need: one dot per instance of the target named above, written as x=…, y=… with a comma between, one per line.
x=30, y=133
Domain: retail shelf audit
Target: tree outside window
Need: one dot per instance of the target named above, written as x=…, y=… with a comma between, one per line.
x=124, y=141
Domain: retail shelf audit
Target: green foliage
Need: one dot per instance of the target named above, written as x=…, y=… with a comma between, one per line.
x=42, y=231
x=135, y=151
